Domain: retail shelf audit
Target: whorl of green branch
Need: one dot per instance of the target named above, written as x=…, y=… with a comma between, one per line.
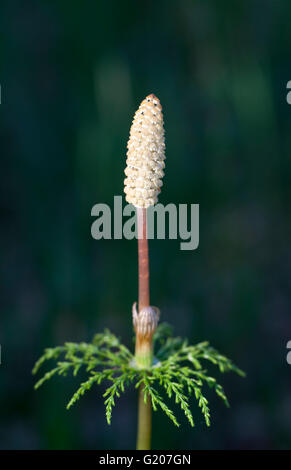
x=178, y=371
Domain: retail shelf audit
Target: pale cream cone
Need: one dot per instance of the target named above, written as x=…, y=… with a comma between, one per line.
x=145, y=155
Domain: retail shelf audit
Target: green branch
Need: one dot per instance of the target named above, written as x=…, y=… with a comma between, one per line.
x=178, y=372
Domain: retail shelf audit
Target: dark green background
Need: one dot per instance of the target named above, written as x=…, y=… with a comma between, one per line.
x=72, y=75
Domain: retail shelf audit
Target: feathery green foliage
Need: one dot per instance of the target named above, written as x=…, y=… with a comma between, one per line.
x=178, y=371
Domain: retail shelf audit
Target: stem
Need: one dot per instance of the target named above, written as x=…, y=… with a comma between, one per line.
x=144, y=421
x=143, y=349
x=143, y=260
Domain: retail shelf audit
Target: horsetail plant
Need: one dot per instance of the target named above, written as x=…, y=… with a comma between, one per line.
x=161, y=365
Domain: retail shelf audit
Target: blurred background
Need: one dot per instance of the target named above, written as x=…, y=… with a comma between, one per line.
x=72, y=75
